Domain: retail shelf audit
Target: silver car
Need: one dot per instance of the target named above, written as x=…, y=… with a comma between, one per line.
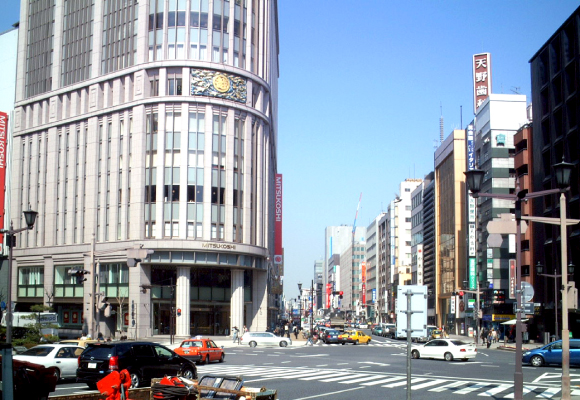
x=253, y=339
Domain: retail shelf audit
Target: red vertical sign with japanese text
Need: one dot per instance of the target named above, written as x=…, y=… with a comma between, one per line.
x=3, y=159
x=363, y=266
x=512, y=279
x=278, y=221
x=481, y=79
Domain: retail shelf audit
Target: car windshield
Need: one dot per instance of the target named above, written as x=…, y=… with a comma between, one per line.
x=191, y=344
x=99, y=352
x=38, y=351
x=332, y=332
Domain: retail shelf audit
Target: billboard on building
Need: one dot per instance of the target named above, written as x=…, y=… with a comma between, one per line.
x=278, y=221
x=363, y=267
x=481, y=79
x=3, y=160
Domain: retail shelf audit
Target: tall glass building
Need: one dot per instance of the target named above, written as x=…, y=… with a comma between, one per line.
x=147, y=124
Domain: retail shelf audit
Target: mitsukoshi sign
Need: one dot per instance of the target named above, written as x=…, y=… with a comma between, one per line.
x=3, y=157
x=278, y=221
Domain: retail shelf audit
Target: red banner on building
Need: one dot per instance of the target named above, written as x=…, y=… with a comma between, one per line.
x=512, y=279
x=278, y=221
x=328, y=294
x=363, y=268
x=481, y=79
x=3, y=159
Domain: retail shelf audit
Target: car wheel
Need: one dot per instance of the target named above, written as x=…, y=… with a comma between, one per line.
x=188, y=374
x=356, y=342
x=92, y=386
x=253, y=344
x=537, y=361
x=283, y=343
x=343, y=343
x=222, y=357
x=415, y=354
x=57, y=374
x=135, y=380
x=448, y=357
x=368, y=341
x=204, y=360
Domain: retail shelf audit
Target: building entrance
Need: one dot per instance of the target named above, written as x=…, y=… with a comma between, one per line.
x=212, y=320
x=162, y=319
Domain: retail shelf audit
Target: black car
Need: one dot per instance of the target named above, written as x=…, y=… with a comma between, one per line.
x=331, y=336
x=143, y=360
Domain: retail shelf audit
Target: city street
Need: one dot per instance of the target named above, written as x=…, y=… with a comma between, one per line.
x=370, y=371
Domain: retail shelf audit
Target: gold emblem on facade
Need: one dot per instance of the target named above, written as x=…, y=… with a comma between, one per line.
x=221, y=83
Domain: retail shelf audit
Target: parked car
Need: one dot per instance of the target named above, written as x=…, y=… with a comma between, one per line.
x=253, y=339
x=143, y=360
x=552, y=354
x=63, y=357
x=377, y=330
x=356, y=337
x=331, y=336
x=201, y=350
x=445, y=349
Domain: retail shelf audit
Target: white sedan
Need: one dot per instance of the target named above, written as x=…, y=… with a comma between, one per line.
x=63, y=357
x=253, y=339
x=445, y=349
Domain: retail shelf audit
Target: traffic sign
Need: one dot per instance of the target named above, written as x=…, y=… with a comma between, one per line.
x=527, y=292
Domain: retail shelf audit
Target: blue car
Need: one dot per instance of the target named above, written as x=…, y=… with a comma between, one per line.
x=552, y=354
x=331, y=336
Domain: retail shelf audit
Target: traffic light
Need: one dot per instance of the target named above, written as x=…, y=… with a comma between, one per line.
x=79, y=274
x=340, y=294
x=135, y=256
x=461, y=295
x=103, y=302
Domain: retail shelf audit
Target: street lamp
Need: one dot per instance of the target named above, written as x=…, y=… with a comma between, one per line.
x=540, y=270
x=562, y=173
x=300, y=305
x=29, y=218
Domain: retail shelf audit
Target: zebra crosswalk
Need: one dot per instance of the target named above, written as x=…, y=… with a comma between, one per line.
x=460, y=387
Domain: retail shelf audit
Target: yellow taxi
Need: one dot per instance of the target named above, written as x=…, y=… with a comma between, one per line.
x=436, y=334
x=356, y=337
x=343, y=337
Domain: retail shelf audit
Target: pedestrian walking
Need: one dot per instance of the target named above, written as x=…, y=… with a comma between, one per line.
x=295, y=329
x=287, y=330
x=489, y=337
x=308, y=338
x=483, y=335
x=494, y=335
x=235, y=333
x=245, y=328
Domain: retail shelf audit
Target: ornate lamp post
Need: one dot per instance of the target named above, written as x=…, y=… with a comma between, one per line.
x=562, y=173
x=30, y=218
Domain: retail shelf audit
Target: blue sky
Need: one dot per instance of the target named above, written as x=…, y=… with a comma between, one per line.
x=360, y=89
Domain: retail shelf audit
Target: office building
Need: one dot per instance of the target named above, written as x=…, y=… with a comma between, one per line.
x=147, y=124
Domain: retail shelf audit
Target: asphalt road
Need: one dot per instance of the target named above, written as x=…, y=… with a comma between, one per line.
x=373, y=371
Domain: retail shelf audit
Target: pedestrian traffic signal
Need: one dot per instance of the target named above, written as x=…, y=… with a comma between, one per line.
x=340, y=294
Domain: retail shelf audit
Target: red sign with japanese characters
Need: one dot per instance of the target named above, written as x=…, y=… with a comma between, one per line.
x=65, y=317
x=481, y=79
x=75, y=317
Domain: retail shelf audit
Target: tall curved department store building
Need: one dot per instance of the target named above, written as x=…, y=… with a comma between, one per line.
x=152, y=125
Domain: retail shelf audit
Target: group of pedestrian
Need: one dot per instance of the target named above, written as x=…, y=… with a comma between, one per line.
x=489, y=336
x=236, y=333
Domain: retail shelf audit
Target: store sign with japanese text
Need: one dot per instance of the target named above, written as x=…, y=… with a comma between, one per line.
x=481, y=79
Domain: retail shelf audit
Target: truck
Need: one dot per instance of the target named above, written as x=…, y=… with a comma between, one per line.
x=418, y=311
x=23, y=320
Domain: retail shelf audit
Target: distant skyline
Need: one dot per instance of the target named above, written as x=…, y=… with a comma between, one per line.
x=361, y=90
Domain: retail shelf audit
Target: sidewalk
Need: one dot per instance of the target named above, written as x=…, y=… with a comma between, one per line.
x=499, y=345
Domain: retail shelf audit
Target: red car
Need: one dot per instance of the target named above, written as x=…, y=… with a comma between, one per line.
x=201, y=350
